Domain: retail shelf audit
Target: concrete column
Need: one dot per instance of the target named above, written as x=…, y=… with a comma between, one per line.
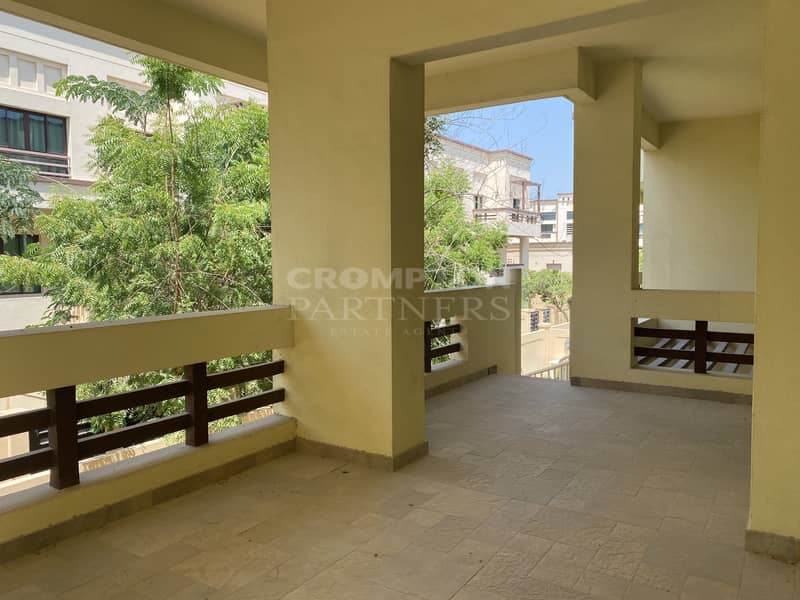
x=347, y=208
x=524, y=253
x=774, y=525
x=607, y=142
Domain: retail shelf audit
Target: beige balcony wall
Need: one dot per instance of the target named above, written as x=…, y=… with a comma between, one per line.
x=701, y=206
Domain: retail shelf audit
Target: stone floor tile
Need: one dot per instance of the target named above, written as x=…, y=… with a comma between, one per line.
x=660, y=578
x=533, y=490
x=506, y=570
x=570, y=527
x=694, y=509
x=563, y=565
x=764, y=577
x=638, y=591
x=537, y=589
x=599, y=585
x=699, y=588
x=618, y=558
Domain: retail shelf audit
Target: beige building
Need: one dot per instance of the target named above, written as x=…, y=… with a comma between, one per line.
x=540, y=230
x=552, y=249
x=697, y=492
x=500, y=189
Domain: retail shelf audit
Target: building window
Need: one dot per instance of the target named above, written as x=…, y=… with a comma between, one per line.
x=546, y=315
x=570, y=215
x=27, y=137
x=570, y=228
x=517, y=202
x=547, y=228
x=548, y=216
x=553, y=266
x=478, y=202
x=16, y=247
x=29, y=73
x=535, y=320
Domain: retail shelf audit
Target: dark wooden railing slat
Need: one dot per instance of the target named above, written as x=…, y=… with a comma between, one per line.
x=135, y=434
x=245, y=374
x=196, y=403
x=445, y=350
x=32, y=462
x=684, y=334
x=25, y=422
x=104, y=405
x=245, y=404
x=724, y=336
x=62, y=437
x=727, y=357
x=445, y=331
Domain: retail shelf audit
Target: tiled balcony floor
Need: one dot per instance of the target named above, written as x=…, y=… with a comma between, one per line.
x=533, y=490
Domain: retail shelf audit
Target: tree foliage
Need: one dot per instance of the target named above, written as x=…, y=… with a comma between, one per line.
x=167, y=84
x=458, y=250
x=552, y=287
x=178, y=220
x=18, y=198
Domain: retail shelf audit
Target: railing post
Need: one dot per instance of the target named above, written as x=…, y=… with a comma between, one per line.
x=197, y=404
x=700, y=346
x=62, y=437
x=428, y=360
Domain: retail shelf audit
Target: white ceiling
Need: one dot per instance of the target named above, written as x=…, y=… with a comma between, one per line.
x=698, y=62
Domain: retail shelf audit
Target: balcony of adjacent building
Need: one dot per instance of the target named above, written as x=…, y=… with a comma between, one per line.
x=407, y=457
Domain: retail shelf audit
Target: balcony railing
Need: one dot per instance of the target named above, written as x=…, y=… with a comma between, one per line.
x=50, y=165
x=557, y=372
x=138, y=346
x=508, y=214
x=434, y=348
x=697, y=349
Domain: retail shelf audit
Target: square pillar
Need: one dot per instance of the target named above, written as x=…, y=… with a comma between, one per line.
x=346, y=139
x=607, y=158
x=774, y=526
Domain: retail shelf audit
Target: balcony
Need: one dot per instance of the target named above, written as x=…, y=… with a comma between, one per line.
x=533, y=489
x=45, y=164
x=523, y=223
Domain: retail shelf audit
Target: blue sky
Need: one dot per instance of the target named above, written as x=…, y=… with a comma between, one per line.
x=539, y=128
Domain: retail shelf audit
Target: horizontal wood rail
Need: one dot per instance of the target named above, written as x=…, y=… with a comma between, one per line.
x=709, y=347
x=435, y=333
x=66, y=445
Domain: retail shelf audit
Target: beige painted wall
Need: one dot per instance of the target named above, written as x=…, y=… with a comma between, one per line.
x=607, y=150
x=701, y=205
x=490, y=335
x=540, y=348
x=96, y=351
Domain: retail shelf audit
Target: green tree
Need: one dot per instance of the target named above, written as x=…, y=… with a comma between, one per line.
x=458, y=250
x=178, y=221
x=552, y=287
x=18, y=198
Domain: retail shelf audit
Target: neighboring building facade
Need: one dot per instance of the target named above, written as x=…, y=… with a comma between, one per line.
x=50, y=133
x=500, y=188
x=540, y=230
